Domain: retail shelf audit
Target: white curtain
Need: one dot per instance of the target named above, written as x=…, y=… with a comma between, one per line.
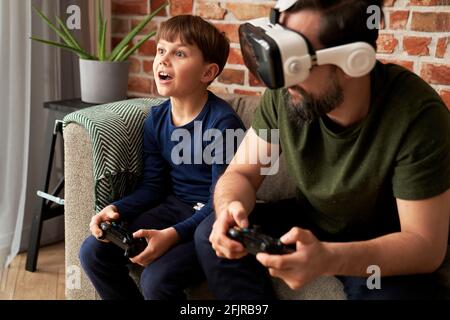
x=45, y=79
x=15, y=69
x=30, y=74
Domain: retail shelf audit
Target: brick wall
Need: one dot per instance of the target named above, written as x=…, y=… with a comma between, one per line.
x=416, y=35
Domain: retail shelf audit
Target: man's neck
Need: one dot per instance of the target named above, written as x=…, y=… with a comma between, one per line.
x=356, y=105
x=187, y=108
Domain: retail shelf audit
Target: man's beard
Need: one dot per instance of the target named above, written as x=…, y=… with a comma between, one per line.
x=311, y=107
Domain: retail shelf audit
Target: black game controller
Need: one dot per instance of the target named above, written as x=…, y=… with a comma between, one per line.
x=121, y=237
x=255, y=242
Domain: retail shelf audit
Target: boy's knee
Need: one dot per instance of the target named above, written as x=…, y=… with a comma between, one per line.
x=156, y=284
x=88, y=251
x=201, y=236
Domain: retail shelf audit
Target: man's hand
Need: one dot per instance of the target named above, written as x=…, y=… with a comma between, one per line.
x=107, y=214
x=225, y=247
x=309, y=261
x=158, y=242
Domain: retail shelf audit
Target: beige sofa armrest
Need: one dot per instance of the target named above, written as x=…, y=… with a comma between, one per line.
x=79, y=207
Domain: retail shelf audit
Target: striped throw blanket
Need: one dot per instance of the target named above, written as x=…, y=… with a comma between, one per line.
x=115, y=130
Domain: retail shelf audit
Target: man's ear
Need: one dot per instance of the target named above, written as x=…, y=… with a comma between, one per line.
x=210, y=72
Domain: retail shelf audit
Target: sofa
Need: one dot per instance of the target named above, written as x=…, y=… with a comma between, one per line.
x=81, y=202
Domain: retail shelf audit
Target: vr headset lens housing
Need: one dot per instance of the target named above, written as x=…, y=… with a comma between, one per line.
x=282, y=58
x=261, y=55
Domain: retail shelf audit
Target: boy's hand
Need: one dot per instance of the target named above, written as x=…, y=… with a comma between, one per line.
x=224, y=246
x=107, y=214
x=158, y=242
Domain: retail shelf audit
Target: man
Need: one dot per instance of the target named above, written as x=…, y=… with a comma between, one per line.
x=370, y=159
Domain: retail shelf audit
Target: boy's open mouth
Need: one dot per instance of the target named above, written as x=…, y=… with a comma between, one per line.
x=164, y=76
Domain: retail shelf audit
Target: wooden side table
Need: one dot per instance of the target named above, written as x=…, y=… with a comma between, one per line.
x=51, y=204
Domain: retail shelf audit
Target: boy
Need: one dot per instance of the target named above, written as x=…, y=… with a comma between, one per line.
x=174, y=195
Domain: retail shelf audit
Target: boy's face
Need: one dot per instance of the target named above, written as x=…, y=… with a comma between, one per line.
x=179, y=69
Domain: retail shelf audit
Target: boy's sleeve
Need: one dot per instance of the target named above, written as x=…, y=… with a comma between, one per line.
x=222, y=156
x=149, y=190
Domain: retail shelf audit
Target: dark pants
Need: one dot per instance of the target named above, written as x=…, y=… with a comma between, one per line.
x=165, y=278
x=246, y=278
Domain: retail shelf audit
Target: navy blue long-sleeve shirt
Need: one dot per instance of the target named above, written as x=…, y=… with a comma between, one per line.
x=185, y=161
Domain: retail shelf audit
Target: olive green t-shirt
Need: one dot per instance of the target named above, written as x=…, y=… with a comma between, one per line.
x=349, y=180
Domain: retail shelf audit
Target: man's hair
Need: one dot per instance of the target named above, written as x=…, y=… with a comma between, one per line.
x=193, y=30
x=344, y=21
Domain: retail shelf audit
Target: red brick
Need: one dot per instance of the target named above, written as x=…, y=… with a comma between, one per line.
x=386, y=43
x=429, y=2
x=247, y=11
x=210, y=10
x=247, y=92
x=116, y=40
x=231, y=30
x=445, y=95
x=442, y=46
x=130, y=6
x=148, y=48
x=406, y=64
x=178, y=7
x=218, y=90
x=435, y=73
x=230, y=76
x=398, y=19
x=155, y=4
x=135, y=65
x=120, y=26
x=151, y=26
x=235, y=56
x=140, y=84
x=431, y=21
x=254, y=81
x=148, y=66
x=417, y=46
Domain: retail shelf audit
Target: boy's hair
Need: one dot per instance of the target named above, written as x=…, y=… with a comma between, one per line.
x=193, y=30
x=345, y=21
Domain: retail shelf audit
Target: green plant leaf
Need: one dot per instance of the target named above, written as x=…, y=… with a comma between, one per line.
x=53, y=27
x=99, y=24
x=134, y=32
x=121, y=54
x=137, y=45
x=102, y=43
x=68, y=34
x=79, y=52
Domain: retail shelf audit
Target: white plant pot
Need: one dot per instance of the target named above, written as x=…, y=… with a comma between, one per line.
x=103, y=81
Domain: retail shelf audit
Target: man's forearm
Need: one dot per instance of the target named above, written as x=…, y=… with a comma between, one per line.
x=233, y=186
x=395, y=254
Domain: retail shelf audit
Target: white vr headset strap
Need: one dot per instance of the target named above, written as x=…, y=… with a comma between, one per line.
x=283, y=5
x=355, y=59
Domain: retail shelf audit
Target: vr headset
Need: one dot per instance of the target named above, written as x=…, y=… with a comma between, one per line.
x=282, y=58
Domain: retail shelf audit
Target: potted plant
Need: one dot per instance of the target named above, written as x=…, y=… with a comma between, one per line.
x=103, y=76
